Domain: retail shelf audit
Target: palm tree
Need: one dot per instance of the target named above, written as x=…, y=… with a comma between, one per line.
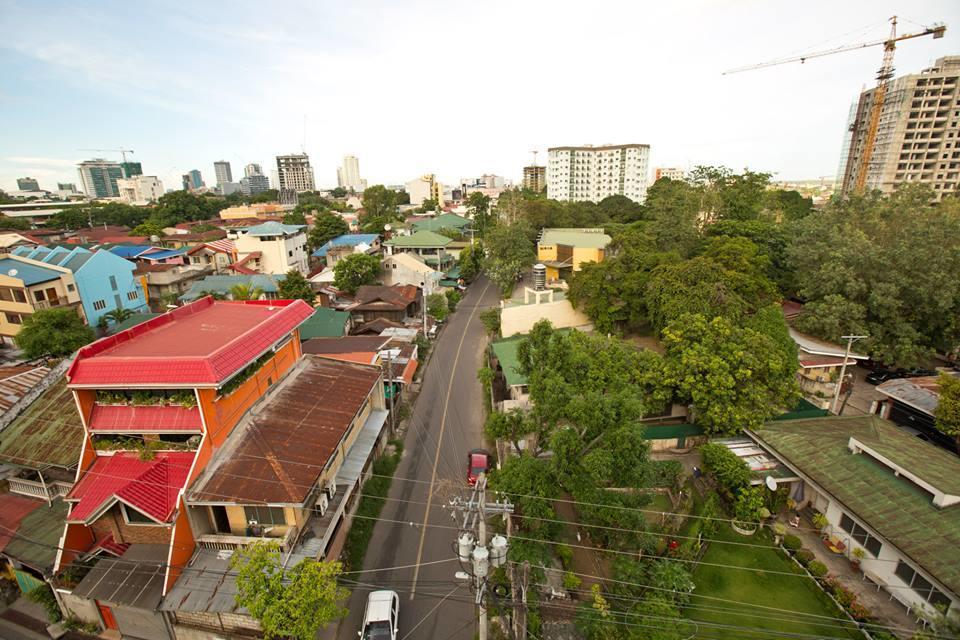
x=216, y=295
x=245, y=292
x=118, y=315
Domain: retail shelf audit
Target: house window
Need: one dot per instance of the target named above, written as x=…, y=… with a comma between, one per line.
x=133, y=295
x=99, y=305
x=71, y=288
x=38, y=296
x=14, y=318
x=113, y=282
x=920, y=585
x=290, y=253
x=132, y=516
x=860, y=534
x=12, y=295
x=265, y=515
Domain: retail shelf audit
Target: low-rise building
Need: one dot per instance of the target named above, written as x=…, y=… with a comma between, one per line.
x=333, y=250
x=325, y=323
x=563, y=251
x=519, y=316
x=912, y=404
x=28, y=286
x=282, y=247
x=166, y=283
x=216, y=254
x=443, y=222
x=430, y=246
x=399, y=303
x=222, y=285
x=409, y=268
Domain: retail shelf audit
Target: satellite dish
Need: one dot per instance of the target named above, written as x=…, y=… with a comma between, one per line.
x=387, y=227
x=771, y=483
x=12, y=272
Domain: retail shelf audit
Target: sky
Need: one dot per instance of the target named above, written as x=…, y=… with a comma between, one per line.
x=454, y=88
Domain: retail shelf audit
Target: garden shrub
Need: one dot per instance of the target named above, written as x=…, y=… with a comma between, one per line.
x=792, y=542
x=571, y=582
x=817, y=569
x=666, y=473
x=43, y=596
x=565, y=553
x=804, y=556
x=730, y=471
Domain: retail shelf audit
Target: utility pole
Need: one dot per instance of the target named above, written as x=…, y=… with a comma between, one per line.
x=426, y=283
x=843, y=370
x=393, y=420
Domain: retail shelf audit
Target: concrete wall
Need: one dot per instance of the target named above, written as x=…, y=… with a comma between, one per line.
x=81, y=608
x=521, y=318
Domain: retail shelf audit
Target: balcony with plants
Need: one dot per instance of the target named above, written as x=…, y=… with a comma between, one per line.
x=146, y=411
x=145, y=445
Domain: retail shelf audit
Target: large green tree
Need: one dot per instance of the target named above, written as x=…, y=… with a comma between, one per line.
x=245, y=291
x=470, y=262
x=673, y=208
x=379, y=209
x=355, y=270
x=326, y=227
x=148, y=229
x=734, y=377
x=509, y=251
x=948, y=407
x=52, y=333
x=295, y=286
x=289, y=603
x=478, y=206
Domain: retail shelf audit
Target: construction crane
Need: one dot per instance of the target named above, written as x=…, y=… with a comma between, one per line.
x=884, y=76
x=123, y=152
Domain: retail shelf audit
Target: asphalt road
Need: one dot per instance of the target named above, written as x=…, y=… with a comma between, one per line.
x=447, y=422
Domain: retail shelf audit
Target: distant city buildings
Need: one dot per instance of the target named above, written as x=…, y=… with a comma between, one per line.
x=671, y=173
x=131, y=169
x=917, y=136
x=535, y=178
x=253, y=181
x=294, y=172
x=67, y=186
x=139, y=190
x=426, y=187
x=99, y=177
x=591, y=173
x=28, y=184
x=192, y=180
x=221, y=168
x=348, y=175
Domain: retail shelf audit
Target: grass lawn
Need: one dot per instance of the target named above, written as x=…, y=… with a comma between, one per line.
x=769, y=590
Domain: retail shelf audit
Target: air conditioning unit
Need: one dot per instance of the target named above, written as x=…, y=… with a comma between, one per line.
x=331, y=487
x=322, y=504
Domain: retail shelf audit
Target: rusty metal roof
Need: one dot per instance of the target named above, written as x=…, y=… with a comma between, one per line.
x=16, y=385
x=344, y=344
x=49, y=432
x=278, y=452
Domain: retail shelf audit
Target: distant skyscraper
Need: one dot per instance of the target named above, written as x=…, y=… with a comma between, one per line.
x=252, y=169
x=253, y=181
x=222, y=170
x=535, y=178
x=294, y=172
x=99, y=177
x=348, y=175
x=28, y=184
x=591, y=173
x=192, y=180
x=131, y=169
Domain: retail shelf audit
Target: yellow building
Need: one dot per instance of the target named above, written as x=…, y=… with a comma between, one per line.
x=563, y=250
x=260, y=210
x=27, y=286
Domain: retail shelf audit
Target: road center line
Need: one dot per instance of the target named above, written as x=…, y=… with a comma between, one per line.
x=436, y=457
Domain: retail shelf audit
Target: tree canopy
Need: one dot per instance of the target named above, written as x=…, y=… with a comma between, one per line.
x=295, y=286
x=355, y=270
x=379, y=208
x=948, y=407
x=326, y=227
x=509, y=251
x=52, y=333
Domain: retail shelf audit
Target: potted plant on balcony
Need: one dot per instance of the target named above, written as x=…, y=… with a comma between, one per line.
x=111, y=398
x=819, y=521
x=856, y=557
x=185, y=399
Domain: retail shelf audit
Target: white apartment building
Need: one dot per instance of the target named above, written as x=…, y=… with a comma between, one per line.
x=348, y=175
x=275, y=246
x=423, y=188
x=591, y=173
x=294, y=172
x=139, y=190
x=671, y=173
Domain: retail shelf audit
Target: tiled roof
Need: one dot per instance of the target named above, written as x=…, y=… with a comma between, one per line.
x=150, y=486
x=30, y=274
x=223, y=246
x=300, y=423
x=49, y=432
x=13, y=388
x=111, y=546
x=425, y=239
x=108, y=418
x=894, y=507
x=199, y=344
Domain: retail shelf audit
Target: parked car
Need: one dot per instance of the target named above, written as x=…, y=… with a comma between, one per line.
x=381, y=616
x=478, y=461
x=882, y=376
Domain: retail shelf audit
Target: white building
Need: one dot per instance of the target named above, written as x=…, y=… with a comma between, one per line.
x=139, y=190
x=281, y=247
x=671, y=173
x=423, y=188
x=348, y=175
x=591, y=173
x=409, y=268
x=294, y=172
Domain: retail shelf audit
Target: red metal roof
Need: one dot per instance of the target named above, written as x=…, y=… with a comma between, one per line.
x=150, y=486
x=111, y=546
x=13, y=509
x=144, y=419
x=199, y=344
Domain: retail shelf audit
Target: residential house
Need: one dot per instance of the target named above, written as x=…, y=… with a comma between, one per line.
x=104, y=280
x=290, y=472
x=217, y=254
x=175, y=386
x=10, y=240
x=398, y=303
x=563, y=250
x=443, y=222
x=519, y=316
x=510, y=385
x=912, y=404
x=188, y=240
x=157, y=255
x=166, y=283
x=269, y=285
x=409, y=268
x=347, y=244
x=882, y=490
x=377, y=327
x=430, y=246
x=398, y=359
x=106, y=234
x=325, y=323
x=27, y=286
x=282, y=246
x=256, y=210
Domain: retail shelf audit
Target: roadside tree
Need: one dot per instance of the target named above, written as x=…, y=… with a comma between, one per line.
x=354, y=271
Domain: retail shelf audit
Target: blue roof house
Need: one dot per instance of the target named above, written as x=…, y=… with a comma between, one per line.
x=105, y=281
x=370, y=242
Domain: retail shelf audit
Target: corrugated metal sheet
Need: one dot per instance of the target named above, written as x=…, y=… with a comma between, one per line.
x=49, y=432
x=43, y=526
x=142, y=419
x=14, y=387
x=135, y=579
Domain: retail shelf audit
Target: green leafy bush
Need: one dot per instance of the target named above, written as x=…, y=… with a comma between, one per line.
x=565, y=553
x=43, y=596
x=571, y=582
x=804, y=556
x=792, y=542
x=730, y=472
x=817, y=569
x=665, y=473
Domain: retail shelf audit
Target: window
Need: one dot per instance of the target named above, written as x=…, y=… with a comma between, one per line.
x=132, y=516
x=860, y=534
x=38, y=296
x=133, y=295
x=113, y=282
x=14, y=318
x=920, y=585
x=12, y=295
x=99, y=305
x=70, y=287
x=265, y=515
x=290, y=253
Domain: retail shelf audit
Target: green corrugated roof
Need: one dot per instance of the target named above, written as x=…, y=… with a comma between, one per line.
x=49, y=432
x=506, y=352
x=424, y=239
x=43, y=526
x=898, y=510
x=325, y=323
x=584, y=238
x=445, y=221
x=132, y=321
x=670, y=431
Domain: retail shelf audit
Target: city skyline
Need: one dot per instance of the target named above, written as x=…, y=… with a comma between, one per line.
x=788, y=120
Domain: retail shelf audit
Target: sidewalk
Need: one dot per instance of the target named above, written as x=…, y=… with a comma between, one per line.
x=25, y=620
